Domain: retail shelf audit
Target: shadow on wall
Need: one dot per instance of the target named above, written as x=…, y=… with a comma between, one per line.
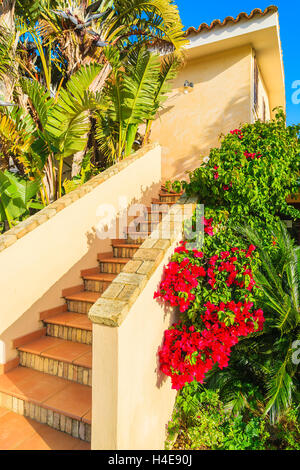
x=191, y=124
x=174, y=317
x=210, y=135
x=30, y=321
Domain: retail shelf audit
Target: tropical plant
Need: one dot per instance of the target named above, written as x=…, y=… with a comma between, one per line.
x=55, y=59
x=53, y=130
x=133, y=95
x=252, y=174
x=199, y=422
x=262, y=374
x=17, y=197
x=82, y=29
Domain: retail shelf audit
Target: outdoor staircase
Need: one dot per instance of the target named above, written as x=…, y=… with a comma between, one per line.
x=50, y=390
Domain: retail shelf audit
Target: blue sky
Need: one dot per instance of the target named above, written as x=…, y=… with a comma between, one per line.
x=195, y=12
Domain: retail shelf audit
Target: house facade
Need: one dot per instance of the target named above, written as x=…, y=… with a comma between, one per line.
x=234, y=74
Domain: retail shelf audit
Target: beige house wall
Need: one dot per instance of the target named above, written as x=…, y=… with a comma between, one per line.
x=39, y=264
x=262, y=98
x=132, y=400
x=190, y=124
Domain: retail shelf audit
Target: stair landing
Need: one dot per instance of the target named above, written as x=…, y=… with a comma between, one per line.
x=20, y=433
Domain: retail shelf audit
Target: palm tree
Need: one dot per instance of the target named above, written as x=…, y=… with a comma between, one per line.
x=132, y=97
x=53, y=130
x=7, y=26
x=7, y=11
x=82, y=31
x=261, y=373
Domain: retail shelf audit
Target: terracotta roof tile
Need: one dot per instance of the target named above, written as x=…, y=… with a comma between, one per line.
x=228, y=19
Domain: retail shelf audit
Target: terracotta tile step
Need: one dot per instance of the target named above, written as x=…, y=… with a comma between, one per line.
x=113, y=260
x=20, y=433
x=125, y=250
x=105, y=277
x=84, y=296
x=54, y=356
x=60, y=350
x=71, y=320
x=122, y=244
x=70, y=326
x=81, y=302
x=161, y=203
x=112, y=265
x=60, y=403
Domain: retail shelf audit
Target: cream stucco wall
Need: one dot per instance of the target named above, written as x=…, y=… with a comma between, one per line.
x=263, y=97
x=190, y=124
x=132, y=400
x=36, y=268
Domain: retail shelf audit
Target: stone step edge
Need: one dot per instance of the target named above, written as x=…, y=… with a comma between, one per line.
x=69, y=333
x=57, y=367
x=61, y=421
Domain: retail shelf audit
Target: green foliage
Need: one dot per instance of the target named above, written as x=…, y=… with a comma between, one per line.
x=288, y=430
x=241, y=435
x=87, y=171
x=16, y=197
x=53, y=130
x=252, y=190
x=133, y=96
x=6, y=59
x=199, y=422
x=68, y=122
x=244, y=185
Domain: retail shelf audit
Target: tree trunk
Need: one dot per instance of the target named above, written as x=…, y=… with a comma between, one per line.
x=7, y=22
x=97, y=85
x=7, y=14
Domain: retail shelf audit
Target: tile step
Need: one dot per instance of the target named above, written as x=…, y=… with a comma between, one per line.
x=96, y=281
x=59, y=403
x=81, y=302
x=20, y=433
x=70, y=320
x=58, y=357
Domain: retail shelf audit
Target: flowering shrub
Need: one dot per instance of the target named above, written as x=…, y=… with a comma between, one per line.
x=193, y=282
x=244, y=182
x=188, y=354
x=251, y=175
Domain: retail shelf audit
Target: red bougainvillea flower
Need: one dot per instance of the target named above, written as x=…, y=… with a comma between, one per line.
x=237, y=132
x=250, y=250
x=252, y=156
x=208, y=228
x=187, y=354
x=180, y=279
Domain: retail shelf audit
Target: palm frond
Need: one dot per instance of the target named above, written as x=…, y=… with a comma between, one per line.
x=158, y=19
x=39, y=98
x=280, y=388
x=68, y=121
x=13, y=141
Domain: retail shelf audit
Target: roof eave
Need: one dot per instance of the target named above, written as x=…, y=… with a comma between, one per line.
x=263, y=34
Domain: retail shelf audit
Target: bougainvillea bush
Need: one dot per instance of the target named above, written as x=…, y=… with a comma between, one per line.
x=251, y=175
x=215, y=295
x=245, y=182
